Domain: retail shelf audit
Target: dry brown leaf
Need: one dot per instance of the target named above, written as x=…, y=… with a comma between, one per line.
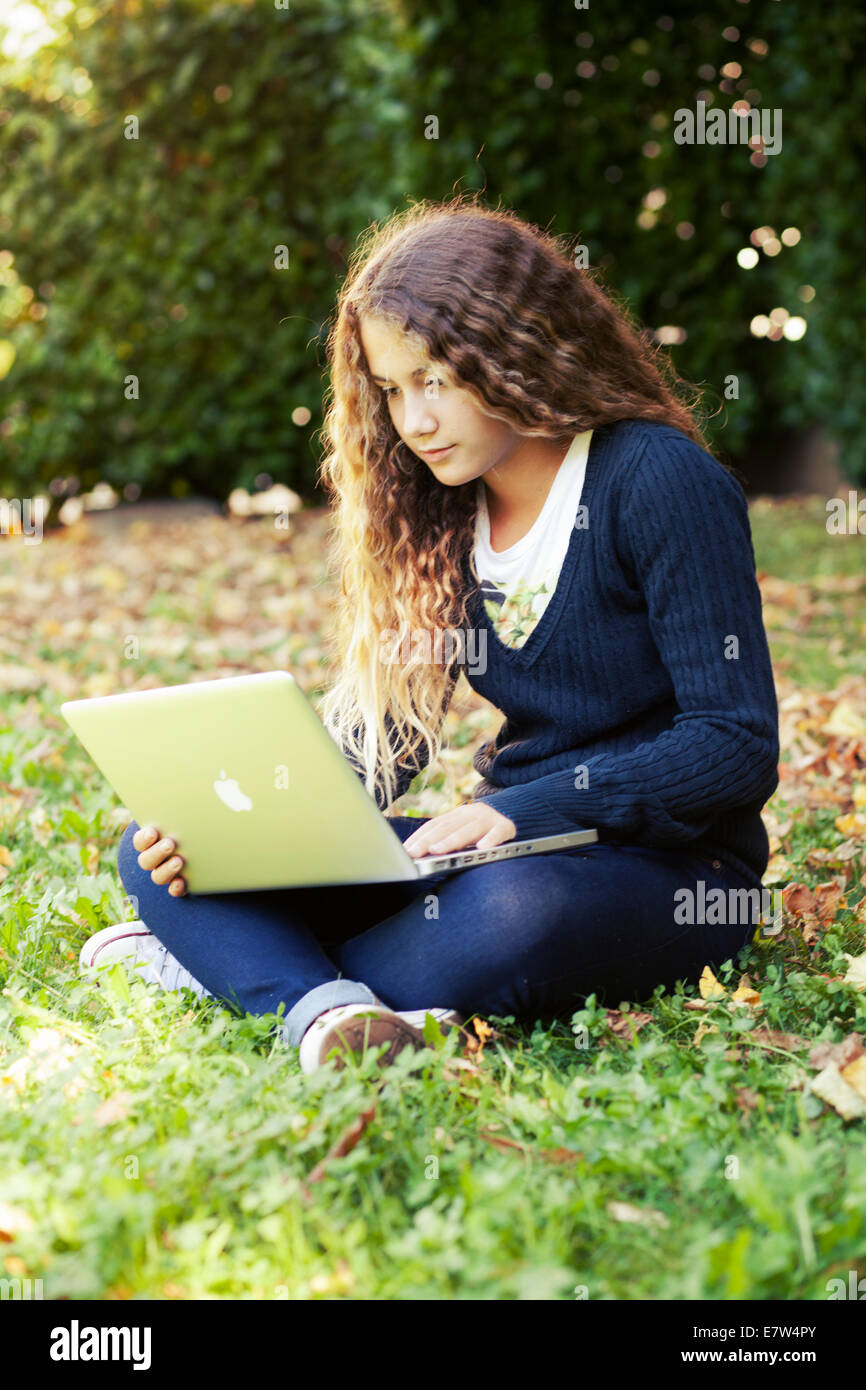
x=747, y=1099
x=841, y=1053
x=626, y=1025
x=499, y=1141
x=829, y=898
x=811, y=927
x=790, y=1042
x=343, y=1145
x=841, y=854
x=560, y=1155
x=799, y=899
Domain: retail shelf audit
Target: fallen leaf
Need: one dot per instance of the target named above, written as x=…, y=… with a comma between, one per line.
x=856, y=972
x=499, y=1141
x=644, y=1216
x=831, y=1087
x=829, y=898
x=769, y=1037
x=626, y=1025
x=855, y=1075
x=778, y=870
x=709, y=986
x=483, y=1029
x=747, y=1099
x=484, y=1032
x=703, y=1029
x=560, y=1155
x=745, y=994
x=343, y=1145
x=841, y=1054
x=842, y=853
x=810, y=927
x=846, y=720
x=799, y=898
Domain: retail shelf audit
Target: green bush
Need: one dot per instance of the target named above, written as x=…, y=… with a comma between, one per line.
x=262, y=127
x=155, y=256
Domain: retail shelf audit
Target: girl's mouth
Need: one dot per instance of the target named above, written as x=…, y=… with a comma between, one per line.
x=437, y=453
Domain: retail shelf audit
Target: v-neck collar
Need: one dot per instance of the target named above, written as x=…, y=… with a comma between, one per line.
x=539, y=636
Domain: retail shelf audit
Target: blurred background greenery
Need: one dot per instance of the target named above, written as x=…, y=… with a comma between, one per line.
x=262, y=125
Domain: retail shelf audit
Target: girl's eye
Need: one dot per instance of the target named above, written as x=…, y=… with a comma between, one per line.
x=389, y=390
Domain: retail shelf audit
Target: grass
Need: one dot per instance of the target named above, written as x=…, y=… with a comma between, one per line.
x=154, y=1146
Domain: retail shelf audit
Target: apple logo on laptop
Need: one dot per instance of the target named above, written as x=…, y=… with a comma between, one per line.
x=228, y=791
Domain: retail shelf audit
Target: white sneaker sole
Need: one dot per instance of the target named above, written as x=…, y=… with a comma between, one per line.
x=119, y=942
x=353, y=1029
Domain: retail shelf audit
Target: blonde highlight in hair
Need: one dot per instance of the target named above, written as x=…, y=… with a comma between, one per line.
x=540, y=345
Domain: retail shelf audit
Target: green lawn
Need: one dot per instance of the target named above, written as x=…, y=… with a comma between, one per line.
x=155, y=1147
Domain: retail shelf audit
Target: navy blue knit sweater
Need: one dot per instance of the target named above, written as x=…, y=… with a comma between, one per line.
x=643, y=703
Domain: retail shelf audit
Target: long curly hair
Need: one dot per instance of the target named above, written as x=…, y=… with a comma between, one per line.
x=504, y=311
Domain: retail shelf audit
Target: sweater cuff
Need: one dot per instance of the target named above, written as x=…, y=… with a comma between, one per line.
x=532, y=816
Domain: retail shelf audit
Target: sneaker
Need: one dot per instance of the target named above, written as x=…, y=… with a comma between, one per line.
x=354, y=1027
x=446, y=1018
x=132, y=943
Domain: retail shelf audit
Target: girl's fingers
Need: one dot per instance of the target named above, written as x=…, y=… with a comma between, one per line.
x=154, y=856
x=145, y=836
x=166, y=871
x=177, y=887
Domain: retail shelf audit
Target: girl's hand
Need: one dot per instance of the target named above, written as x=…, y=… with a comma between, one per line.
x=158, y=858
x=471, y=824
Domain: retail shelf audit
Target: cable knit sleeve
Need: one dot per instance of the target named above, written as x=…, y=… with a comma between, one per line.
x=683, y=522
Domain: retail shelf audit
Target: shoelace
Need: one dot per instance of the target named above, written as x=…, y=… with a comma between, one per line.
x=172, y=975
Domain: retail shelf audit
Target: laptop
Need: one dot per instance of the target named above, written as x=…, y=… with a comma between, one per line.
x=241, y=773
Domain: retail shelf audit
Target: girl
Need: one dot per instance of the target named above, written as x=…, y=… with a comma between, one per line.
x=513, y=469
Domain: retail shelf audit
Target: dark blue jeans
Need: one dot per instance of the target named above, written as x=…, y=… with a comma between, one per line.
x=529, y=937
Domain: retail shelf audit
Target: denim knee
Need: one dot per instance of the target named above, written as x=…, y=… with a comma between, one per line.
x=127, y=856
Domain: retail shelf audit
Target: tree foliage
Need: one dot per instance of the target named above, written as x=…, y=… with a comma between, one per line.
x=260, y=127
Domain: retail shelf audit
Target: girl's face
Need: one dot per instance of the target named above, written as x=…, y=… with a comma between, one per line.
x=430, y=412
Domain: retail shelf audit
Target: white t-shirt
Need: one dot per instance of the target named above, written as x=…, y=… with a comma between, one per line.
x=517, y=583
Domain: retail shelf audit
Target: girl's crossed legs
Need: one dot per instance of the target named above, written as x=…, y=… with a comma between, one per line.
x=527, y=937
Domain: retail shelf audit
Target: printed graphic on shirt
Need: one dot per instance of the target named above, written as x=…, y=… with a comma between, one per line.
x=515, y=615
